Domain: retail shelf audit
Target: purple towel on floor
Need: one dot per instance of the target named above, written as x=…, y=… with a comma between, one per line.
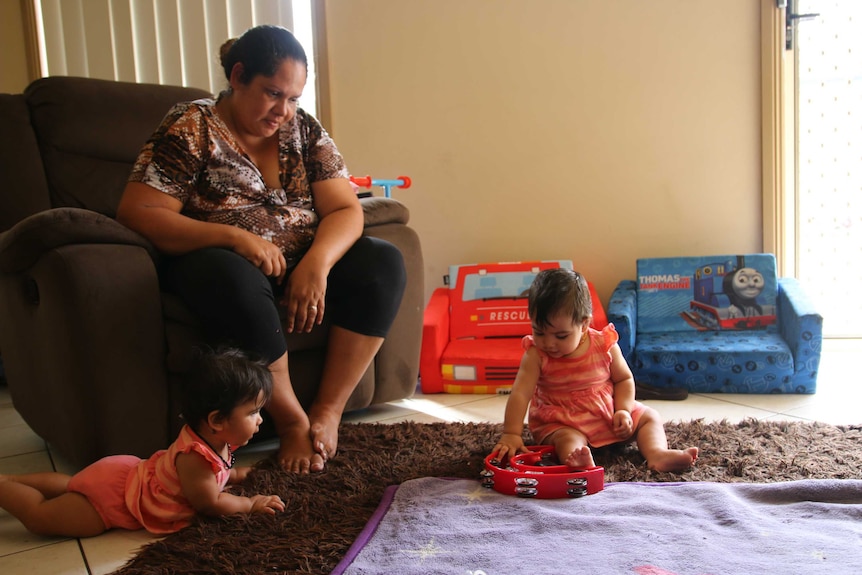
x=434, y=525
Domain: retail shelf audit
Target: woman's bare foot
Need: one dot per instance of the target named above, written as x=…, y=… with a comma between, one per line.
x=674, y=459
x=295, y=453
x=324, y=431
x=580, y=458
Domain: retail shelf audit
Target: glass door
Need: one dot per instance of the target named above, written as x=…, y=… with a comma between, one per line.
x=828, y=210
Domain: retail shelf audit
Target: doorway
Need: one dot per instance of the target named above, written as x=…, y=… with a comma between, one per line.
x=828, y=160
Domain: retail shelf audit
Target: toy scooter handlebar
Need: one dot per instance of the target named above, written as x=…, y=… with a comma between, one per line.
x=367, y=181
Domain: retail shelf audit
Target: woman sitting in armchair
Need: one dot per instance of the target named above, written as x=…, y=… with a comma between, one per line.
x=249, y=199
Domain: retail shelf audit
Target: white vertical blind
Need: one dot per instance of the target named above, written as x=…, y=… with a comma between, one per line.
x=145, y=41
x=216, y=22
x=54, y=51
x=170, y=54
x=74, y=35
x=195, y=49
x=96, y=35
x=157, y=41
x=121, y=40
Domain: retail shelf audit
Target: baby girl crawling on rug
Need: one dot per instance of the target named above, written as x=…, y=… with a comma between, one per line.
x=222, y=400
x=577, y=384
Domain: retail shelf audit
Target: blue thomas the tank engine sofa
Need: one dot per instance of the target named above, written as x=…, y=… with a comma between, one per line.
x=718, y=324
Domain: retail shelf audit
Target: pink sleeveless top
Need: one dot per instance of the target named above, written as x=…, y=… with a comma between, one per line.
x=578, y=392
x=153, y=493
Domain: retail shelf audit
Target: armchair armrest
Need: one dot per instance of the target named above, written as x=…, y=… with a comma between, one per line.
x=83, y=326
x=397, y=364
x=82, y=323
x=435, y=338
x=380, y=211
x=800, y=325
x=23, y=244
x=623, y=313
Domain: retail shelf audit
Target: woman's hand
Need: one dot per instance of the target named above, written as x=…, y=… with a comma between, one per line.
x=341, y=222
x=264, y=254
x=510, y=444
x=305, y=297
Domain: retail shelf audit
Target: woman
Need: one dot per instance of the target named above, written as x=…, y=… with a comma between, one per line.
x=249, y=198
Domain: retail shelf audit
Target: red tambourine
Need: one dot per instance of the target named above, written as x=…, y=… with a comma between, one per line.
x=538, y=474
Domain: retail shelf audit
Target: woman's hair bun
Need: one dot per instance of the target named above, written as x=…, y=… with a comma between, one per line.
x=225, y=48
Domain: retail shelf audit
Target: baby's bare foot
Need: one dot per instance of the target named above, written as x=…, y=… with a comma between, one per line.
x=674, y=459
x=580, y=458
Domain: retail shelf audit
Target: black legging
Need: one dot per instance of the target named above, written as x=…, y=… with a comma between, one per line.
x=236, y=302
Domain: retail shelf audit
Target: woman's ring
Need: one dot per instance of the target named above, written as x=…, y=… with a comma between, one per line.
x=313, y=308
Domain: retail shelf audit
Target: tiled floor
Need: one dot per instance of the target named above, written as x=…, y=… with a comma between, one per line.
x=21, y=451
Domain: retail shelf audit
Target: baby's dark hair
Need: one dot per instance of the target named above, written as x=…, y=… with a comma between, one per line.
x=557, y=291
x=220, y=380
x=261, y=51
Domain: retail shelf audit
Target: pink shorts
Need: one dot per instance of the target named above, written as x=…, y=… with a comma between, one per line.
x=103, y=483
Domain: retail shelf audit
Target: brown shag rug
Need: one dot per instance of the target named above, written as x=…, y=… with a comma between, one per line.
x=327, y=511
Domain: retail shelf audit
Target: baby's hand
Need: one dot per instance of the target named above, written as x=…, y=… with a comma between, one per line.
x=510, y=444
x=623, y=425
x=268, y=504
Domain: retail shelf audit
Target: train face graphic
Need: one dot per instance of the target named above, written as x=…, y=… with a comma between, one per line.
x=726, y=296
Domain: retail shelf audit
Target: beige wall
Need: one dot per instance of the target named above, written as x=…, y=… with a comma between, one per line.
x=594, y=130
x=13, y=61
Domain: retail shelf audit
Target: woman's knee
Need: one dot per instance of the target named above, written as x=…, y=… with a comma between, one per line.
x=215, y=277
x=231, y=297
x=376, y=260
x=390, y=263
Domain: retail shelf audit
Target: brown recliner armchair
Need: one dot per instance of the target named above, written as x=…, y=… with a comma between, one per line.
x=94, y=353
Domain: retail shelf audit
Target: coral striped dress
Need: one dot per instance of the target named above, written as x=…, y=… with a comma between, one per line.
x=153, y=493
x=131, y=493
x=578, y=392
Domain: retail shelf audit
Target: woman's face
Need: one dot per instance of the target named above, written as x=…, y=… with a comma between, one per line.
x=262, y=106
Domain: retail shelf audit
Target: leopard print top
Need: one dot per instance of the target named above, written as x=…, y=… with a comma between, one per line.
x=194, y=158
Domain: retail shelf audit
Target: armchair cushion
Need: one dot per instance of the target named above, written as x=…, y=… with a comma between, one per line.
x=19, y=155
x=720, y=292
x=90, y=131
